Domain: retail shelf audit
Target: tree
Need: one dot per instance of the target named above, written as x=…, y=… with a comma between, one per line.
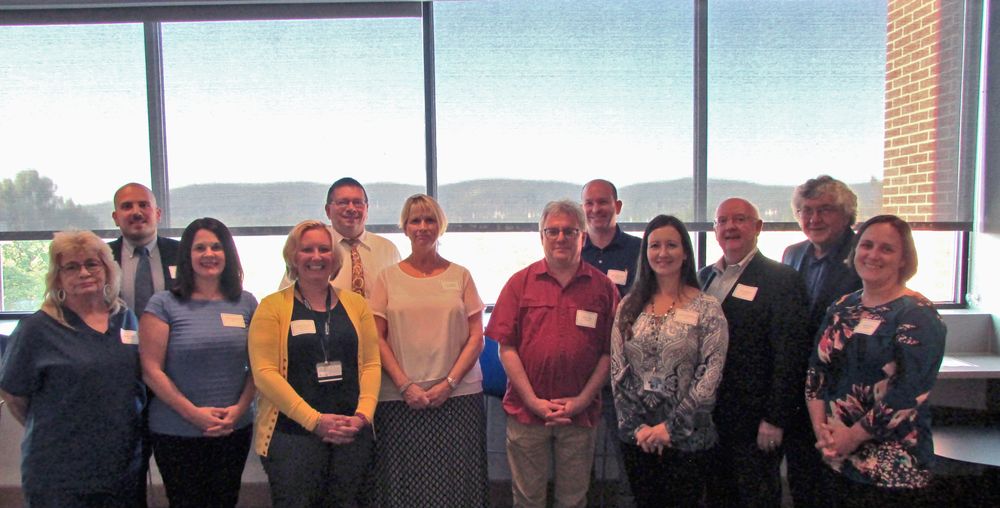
x=28, y=202
x=24, y=267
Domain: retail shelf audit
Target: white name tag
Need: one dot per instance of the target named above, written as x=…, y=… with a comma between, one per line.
x=130, y=336
x=586, y=318
x=233, y=320
x=619, y=277
x=688, y=317
x=303, y=326
x=173, y=271
x=449, y=285
x=744, y=292
x=327, y=372
x=867, y=326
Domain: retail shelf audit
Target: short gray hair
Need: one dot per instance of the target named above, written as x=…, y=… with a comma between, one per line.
x=843, y=196
x=566, y=207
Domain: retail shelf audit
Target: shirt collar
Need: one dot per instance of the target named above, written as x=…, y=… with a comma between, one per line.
x=617, y=241
x=338, y=238
x=542, y=268
x=720, y=265
x=131, y=248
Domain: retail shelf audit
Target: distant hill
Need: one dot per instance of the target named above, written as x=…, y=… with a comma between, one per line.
x=286, y=203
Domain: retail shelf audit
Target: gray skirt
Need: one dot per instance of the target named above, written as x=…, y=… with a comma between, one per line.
x=431, y=457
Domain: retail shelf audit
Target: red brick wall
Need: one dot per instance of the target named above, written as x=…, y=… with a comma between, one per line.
x=922, y=110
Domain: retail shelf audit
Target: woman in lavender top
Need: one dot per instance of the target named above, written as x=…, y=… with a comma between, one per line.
x=668, y=347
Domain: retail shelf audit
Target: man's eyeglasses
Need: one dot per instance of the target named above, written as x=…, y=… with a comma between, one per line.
x=92, y=266
x=737, y=220
x=357, y=203
x=553, y=233
x=825, y=211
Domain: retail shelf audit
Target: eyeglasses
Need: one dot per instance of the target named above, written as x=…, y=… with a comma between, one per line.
x=553, y=233
x=92, y=266
x=824, y=211
x=737, y=220
x=343, y=203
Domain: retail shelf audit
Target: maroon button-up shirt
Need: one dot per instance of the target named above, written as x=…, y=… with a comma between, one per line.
x=539, y=317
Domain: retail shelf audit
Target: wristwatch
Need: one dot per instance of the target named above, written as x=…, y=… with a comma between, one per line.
x=451, y=382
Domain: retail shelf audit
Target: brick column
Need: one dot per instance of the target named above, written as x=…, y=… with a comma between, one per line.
x=923, y=88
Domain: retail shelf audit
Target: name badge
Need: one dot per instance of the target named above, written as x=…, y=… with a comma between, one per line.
x=867, y=326
x=173, y=271
x=303, y=326
x=618, y=276
x=129, y=336
x=744, y=292
x=586, y=318
x=233, y=320
x=329, y=372
x=449, y=285
x=688, y=317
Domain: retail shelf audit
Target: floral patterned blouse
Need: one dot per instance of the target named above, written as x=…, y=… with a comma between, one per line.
x=877, y=365
x=669, y=370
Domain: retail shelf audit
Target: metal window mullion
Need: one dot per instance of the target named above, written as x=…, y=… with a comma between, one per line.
x=700, y=116
x=430, y=103
x=156, y=118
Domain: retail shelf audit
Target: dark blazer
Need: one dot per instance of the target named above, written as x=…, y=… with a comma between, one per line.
x=168, y=255
x=764, y=375
x=840, y=278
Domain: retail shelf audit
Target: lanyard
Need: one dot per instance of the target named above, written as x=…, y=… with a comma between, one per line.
x=326, y=321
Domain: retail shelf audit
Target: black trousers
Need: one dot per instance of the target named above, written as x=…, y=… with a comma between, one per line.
x=305, y=472
x=807, y=474
x=674, y=478
x=743, y=475
x=202, y=471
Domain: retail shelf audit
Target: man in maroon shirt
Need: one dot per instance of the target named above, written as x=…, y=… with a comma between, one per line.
x=553, y=322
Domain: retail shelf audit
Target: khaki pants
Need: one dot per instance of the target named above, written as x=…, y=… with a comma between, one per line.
x=530, y=452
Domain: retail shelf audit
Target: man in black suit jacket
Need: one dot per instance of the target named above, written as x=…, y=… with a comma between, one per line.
x=763, y=379
x=826, y=209
x=137, y=216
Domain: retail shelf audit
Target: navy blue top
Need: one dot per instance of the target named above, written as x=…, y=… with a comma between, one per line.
x=621, y=254
x=85, y=396
x=305, y=350
x=876, y=366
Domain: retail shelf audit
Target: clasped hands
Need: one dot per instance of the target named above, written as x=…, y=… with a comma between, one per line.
x=418, y=398
x=558, y=411
x=836, y=440
x=653, y=439
x=216, y=421
x=338, y=429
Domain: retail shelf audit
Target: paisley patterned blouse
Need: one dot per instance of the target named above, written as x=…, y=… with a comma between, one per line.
x=877, y=365
x=669, y=371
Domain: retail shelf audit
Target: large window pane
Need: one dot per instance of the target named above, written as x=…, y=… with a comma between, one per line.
x=73, y=123
x=550, y=94
x=262, y=116
x=795, y=90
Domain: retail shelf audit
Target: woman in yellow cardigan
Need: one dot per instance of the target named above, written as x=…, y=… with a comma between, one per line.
x=315, y=360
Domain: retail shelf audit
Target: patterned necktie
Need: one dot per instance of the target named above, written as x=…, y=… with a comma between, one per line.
x=143, y=281
x=357, y=269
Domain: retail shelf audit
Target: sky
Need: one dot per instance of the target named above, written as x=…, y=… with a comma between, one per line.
x=525, y=89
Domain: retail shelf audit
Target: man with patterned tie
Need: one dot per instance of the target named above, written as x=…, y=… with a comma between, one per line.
x=148, y=263
x=365, y=254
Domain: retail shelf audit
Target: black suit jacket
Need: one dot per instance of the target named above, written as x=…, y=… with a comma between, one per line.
x=764, y=375
x=840, y=278
x=168, y=255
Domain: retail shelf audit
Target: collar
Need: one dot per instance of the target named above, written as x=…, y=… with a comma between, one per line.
x=839, y=250
x=541, y=268
x=130, y=248
x=338, y=238
x=617, y=241
x=720, y=266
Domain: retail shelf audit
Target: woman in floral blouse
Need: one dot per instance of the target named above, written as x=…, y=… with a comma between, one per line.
x=876, y=359
x=668, y=347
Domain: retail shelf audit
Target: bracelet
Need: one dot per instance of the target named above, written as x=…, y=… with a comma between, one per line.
x=402, y=389
x=451, y=382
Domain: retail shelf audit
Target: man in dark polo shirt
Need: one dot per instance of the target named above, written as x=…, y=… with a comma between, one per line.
x=614, y=252
x=553, y=322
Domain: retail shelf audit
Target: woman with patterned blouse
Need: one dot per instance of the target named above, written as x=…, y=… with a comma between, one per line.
x=876, y=358
x=668, y=347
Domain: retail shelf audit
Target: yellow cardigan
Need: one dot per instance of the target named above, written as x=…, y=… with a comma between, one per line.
x=268, y=345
